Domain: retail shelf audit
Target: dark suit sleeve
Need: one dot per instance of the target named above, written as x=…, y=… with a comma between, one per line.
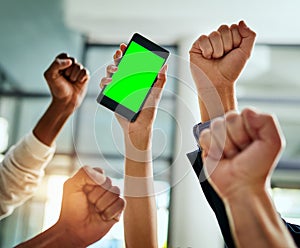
x=213, y=199
x=294, y=231
x=218, y=206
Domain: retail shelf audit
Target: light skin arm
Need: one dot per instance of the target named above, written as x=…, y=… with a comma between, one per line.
x=239, y=154
x=90, y=207
x=67, y=81
x=140, y=217
x=216, y=61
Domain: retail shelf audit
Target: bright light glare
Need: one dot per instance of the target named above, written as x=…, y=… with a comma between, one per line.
x=3, y=134
x=54, y=197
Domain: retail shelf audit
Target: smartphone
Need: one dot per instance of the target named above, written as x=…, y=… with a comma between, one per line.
x=136, y=75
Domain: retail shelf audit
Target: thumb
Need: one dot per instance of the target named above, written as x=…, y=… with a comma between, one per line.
x=248, y=38
x=60, y=64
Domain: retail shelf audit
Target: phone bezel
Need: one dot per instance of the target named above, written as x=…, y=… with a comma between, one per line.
x=118, y=107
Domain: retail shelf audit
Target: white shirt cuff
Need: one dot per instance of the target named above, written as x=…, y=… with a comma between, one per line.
x=38, y=148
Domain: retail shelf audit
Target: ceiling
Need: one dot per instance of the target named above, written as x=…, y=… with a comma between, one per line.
x=169, y=21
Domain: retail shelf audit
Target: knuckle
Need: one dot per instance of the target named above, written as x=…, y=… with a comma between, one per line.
x=121, y=203
x=203, y=38
x=204, y=139
x=241, y=140
x=214, y=152
x=217, y=125
x=106, y=214
x=234, y=26
x=214, y=34
x=102, y=81
x=62, y=55
x=111, y=68
x=107, y=184
x=77, y=66
x=231, y=117
x=85, y=71
x=223, y=28
x=74, y=61
x=100, y=206
x=115, y=190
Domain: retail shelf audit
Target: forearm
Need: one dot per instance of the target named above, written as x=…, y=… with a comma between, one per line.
x=255, y=222
x=52, y=122
x=55, y=236
x=140, y=220
x=21, y=172
x=214, y=102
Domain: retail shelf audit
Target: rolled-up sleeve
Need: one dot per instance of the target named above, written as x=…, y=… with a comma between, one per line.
x=21, y=172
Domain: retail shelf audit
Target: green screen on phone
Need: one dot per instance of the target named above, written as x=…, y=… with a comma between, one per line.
x=135, y=75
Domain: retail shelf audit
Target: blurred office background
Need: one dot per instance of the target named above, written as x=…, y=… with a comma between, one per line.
x=33, y=32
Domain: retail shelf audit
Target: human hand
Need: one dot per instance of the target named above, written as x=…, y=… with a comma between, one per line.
x=217, y=60
x=240, y=152
x=138, y=133
x=90, y=206
x=67, y=80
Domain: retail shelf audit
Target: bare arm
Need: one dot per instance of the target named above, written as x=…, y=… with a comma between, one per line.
x=216, y=62
x=140, y=215
x=140, y=218
x=67, y=81
x=239, y=154
x=255, y=211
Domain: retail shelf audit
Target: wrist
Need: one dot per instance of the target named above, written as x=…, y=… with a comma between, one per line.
x=50, y=124
x=66, y=237
x=138, y=150
x=140, y=140
x=245, y=194
x=56, y=236
x=216, y=101
x=63, y=106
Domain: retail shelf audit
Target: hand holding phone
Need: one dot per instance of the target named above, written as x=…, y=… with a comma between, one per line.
x=136, y=74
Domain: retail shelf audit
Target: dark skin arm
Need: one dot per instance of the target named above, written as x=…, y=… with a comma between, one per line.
x=216, y=61
x=140, y=217
x=67, y=81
